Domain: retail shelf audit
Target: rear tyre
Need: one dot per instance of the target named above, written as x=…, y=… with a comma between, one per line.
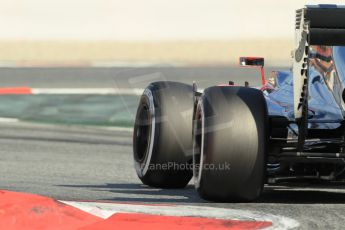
x=162, y=140
x=230, y=139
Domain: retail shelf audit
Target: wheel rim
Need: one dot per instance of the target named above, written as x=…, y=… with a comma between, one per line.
x=142, y=132
x=198, y=144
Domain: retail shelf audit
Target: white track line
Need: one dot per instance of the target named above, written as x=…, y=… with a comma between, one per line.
x=97, y=91
x=75, y=91
x=110, y=128
x=8, y=120
x=105, y=210
x=93, y=91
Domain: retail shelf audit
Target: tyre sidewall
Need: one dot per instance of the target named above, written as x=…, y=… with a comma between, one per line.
x=235, y=124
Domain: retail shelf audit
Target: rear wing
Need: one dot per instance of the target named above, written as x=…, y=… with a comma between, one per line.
x=315, y=25
x=326, y=24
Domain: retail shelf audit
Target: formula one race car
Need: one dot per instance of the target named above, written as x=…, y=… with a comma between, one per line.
x=235, y=139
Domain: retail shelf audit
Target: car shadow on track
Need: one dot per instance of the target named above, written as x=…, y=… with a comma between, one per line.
x=304, y=194
x=131, y=192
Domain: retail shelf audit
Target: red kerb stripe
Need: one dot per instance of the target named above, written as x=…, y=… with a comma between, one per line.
x=15, y=90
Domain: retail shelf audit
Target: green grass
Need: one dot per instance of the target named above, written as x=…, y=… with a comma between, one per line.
x=114, y=110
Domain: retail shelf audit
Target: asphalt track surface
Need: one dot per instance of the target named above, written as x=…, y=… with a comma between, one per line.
x=92, y=163
x=80, y=163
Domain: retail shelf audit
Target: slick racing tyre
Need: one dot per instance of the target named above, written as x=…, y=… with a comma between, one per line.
x=162, y=139
x=230, y=140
